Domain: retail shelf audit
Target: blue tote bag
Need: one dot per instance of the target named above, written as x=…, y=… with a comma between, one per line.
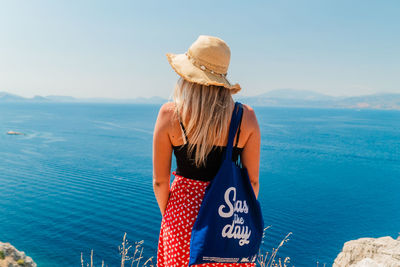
x=229, y=225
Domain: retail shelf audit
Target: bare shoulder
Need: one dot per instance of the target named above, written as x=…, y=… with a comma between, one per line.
x=167, y=108
x=249, y=117
x=165, y=115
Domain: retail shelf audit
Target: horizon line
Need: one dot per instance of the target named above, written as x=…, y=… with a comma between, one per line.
x=158, y=96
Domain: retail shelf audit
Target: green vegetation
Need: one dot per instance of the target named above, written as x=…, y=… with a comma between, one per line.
x=21, y=262
x=2, y=256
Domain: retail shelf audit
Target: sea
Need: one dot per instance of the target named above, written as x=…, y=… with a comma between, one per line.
x=81, y=177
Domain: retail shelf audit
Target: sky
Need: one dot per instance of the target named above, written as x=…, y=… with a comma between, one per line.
x=116, y=49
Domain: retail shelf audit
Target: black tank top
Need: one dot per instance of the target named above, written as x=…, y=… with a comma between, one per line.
x=187, y=168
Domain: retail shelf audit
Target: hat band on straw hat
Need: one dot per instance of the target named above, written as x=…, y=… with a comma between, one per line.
x=205, y=65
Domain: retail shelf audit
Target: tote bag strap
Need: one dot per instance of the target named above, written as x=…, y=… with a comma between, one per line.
x=233, y=127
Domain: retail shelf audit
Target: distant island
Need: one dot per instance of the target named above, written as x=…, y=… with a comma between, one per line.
x=13, y=98
x=306, y=98
x=276, y=98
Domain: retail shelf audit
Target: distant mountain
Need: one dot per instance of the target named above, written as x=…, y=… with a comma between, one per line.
x=38, y=98
x=279, y=97
x=305, y=98
x=7, y=97
x=138, y=100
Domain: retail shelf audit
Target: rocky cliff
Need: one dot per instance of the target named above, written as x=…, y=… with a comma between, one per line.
x=370, y=252
x=11, y=257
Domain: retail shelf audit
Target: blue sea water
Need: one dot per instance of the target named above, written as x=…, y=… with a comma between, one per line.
x=82, y=176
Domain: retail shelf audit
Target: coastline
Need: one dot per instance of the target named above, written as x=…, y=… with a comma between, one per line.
x=382, y=251
x=12, y=257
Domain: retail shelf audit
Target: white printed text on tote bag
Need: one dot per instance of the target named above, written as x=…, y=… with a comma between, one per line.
x=237, y=229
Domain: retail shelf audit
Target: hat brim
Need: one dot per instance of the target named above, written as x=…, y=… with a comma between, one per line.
x=184, y=68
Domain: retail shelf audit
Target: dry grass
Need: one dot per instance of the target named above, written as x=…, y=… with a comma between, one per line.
x=268, y=259
x=134, y=258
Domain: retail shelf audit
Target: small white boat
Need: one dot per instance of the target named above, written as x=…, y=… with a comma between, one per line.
x=14, y=133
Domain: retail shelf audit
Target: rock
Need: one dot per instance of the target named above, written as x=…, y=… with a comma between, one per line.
x=11, y=257
x=367, y=262
x=370, y=252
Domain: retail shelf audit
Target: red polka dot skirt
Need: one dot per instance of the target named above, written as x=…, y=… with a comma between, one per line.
x=183, y=205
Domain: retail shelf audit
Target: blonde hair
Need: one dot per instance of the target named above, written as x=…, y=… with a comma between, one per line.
x=207, y=111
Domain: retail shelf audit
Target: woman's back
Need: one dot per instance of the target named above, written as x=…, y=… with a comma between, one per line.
x=185, y=160
x=248, y=144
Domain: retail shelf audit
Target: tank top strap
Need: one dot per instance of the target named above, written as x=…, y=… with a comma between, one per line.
x=183, y=129
x=181, y=124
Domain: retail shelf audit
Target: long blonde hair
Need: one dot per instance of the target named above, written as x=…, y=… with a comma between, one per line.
x=207, y=111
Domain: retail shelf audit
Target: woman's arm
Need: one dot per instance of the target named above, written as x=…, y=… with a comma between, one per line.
x=251, y=150
x=162, y=154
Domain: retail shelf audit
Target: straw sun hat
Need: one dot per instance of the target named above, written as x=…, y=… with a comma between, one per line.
x=206, y=62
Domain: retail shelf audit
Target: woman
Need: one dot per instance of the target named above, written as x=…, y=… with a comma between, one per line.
x=195, y=127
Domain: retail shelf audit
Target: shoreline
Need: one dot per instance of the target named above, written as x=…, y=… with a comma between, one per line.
x=12, y=257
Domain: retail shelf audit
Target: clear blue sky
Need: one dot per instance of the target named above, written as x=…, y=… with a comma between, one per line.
x=96, y=48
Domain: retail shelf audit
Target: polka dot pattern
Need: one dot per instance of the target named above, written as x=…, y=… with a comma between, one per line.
x=183, y=206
